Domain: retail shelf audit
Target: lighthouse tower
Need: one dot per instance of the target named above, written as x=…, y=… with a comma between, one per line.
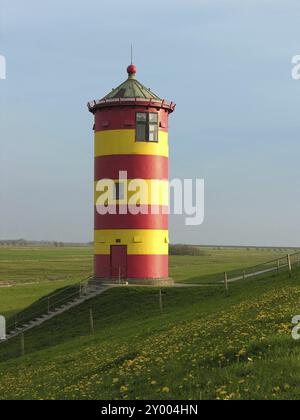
x=131, y=138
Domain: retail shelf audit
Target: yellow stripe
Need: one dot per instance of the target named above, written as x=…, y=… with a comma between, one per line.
x=138, y=241
x=122, y=142
x=155, y=192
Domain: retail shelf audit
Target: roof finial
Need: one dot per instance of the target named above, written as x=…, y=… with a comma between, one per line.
x=131, y=69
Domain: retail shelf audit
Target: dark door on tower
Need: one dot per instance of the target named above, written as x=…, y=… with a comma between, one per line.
x=118, y=261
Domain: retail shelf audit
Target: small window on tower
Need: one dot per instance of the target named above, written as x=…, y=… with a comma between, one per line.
x=152, y=132
x=153, y=117
x=141, y=117
x=141, y=130
x=147, y=126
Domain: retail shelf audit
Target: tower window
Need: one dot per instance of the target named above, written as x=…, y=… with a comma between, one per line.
x=147, y=126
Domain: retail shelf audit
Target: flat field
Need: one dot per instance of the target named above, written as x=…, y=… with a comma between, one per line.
x=32, y=273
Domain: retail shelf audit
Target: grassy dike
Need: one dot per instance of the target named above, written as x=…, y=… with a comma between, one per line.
x=205, y=345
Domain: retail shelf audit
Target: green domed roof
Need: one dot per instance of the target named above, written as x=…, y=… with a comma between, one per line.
x=131, y=88
x=131, y=92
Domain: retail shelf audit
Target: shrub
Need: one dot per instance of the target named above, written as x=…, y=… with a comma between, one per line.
x=181, y=249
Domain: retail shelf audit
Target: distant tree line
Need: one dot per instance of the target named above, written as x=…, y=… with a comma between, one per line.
x=181, y=249
x=56, y=244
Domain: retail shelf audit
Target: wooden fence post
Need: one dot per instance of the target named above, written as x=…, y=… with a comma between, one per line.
x=92, y=322
x=226, y=281
x=22, y=344
x=289, y=264
x=244, y=275
x=160, y=301
x=278, y=267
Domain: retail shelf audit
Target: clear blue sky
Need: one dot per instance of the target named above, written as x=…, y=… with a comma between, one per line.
x=227, y=65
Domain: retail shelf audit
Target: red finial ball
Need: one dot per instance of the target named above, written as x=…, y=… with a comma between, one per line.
x=131, y=70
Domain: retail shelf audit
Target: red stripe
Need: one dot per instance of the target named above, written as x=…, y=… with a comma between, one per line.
x=132, y=221
x=102, y=266
x=147, y=266
x=138, y=266
x=117, y=118
x=137, y=166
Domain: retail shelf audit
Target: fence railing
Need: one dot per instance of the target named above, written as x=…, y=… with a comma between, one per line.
x=273, y=267
x=47, y=304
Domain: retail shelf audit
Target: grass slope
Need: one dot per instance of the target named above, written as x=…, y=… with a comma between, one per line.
x=18, y=297
x=205, y=345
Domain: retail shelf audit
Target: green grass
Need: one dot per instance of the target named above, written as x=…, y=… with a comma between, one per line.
x=205, y=345
x=41, y=264
x=211, y=266
x=28, y=265
x=16, y=298
x=33, y=273
x=36, y=272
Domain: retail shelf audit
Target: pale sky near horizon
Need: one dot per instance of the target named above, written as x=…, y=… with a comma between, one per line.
x=227, y=65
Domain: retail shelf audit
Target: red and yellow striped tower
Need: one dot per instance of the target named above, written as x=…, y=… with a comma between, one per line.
x=131, y=135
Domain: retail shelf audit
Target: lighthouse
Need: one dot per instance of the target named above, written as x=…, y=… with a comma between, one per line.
x=131, y=142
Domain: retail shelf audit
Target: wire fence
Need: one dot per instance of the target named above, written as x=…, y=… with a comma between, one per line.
x=287, y=263
x=274, y=267
x=47, y=305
